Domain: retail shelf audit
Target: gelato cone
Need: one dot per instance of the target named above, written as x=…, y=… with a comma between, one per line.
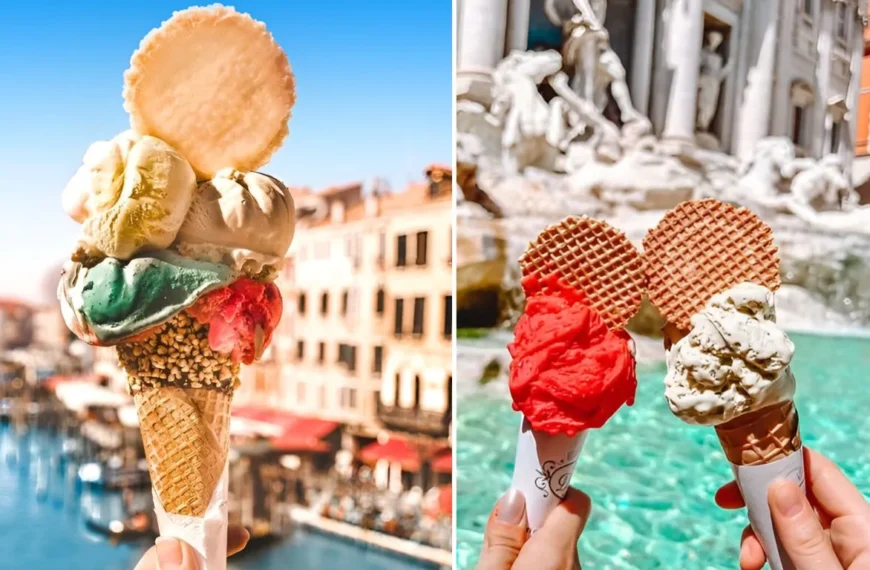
x=764, y=446
x=183, y=391
x=732, y=371
x=572, y=364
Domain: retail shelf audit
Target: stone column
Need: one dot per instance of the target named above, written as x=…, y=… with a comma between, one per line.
x=755, y=109
x=849, y=134
x=685, y=35
x=518, y=25
x=642, y=58
x=480, y=46
x=821, y=144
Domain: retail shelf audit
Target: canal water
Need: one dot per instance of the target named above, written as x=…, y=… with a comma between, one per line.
x=42, y=524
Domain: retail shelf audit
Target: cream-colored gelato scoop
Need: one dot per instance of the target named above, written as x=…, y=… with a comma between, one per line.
x=131, y=194
x=734, y=360
x=242, y=219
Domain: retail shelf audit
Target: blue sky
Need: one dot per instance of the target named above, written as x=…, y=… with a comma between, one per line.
x=374, y=99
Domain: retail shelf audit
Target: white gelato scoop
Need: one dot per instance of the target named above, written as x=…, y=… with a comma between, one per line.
x=734, y=360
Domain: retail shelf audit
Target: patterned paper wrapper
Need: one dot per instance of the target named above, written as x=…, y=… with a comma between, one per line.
x=543, y=469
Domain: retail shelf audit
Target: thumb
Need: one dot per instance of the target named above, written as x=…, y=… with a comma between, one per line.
x=798, y=528
x=505, y=534
x=169, y=554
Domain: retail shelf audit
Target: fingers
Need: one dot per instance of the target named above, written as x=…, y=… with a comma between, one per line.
x=850, y=537
x=173, y=554
x=728, y=496
x=832, y=490
x=505, y=533
x=565, y=524
x=798, y=529
x=169, y=554
x=554, y=545
x=751, y=552
x=237, y=539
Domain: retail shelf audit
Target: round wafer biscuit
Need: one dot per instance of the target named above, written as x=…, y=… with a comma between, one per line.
x=595, y=258
x=212, y=83
x=702, y=248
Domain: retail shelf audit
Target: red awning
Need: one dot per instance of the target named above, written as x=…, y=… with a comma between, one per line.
x=395, y=450
x=445, y=500
x=300, y=433
x=442, y=462
x=52, y=381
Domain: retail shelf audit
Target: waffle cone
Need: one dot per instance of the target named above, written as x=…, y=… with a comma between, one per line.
x=594, y=258
x=761, y=437
x=183, y=392
x=702, y=248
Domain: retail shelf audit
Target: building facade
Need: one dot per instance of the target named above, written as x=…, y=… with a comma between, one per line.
x=366, y=334
x=779, y=67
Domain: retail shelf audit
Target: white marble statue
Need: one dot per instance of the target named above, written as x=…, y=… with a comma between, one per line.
x=586, y=49
x=823, y=186
x=713, y=73
x=766, y=175
x=523, y=113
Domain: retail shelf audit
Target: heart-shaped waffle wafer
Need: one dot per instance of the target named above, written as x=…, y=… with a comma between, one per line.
x=595, y=258
x=702, y=248
x=212, y=83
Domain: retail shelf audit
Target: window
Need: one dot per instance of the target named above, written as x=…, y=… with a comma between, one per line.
x=300, y=349
x=836, y=133
x=419, y=315
x=321, y=397
x=417, y=389
x=352, y=397
x=449, y=413
x=300, y=392
x=842, y=22
x=301, y=303
x=324, y=304
x=797, y=125
x=347, y=356
x=344, y=298
x=377, y=365
x=321, y=352
x=422, y=246
x=401, y=250
x=448, y=316
x=807, y=7
x=398, y=329
x=398, y=389
x=380, y=301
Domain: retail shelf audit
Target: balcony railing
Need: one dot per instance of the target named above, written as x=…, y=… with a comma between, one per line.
x=414, y=420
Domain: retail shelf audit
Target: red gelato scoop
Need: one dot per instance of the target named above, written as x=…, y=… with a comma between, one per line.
x=241, y=318
x=569, y=372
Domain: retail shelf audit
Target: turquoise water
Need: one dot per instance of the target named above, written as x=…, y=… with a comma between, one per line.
x=42, y=524
x=652, y=478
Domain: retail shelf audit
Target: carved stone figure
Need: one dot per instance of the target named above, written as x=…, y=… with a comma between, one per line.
x=586, y=49
x=524, y=114
x=713, y=73
x=823, y=186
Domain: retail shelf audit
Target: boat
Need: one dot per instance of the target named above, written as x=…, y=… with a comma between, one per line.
x=139, y=526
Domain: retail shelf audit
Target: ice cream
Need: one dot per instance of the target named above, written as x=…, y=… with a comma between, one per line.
x=131, y=194
x=734, y=359
x=178, y=276
x=569, y=372
x=240, y=318
x=115, y=301
x=244, y=219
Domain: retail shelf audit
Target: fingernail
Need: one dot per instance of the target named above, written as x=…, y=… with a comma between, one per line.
x=169, y=554
x=511, y=508
x=787, y=498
